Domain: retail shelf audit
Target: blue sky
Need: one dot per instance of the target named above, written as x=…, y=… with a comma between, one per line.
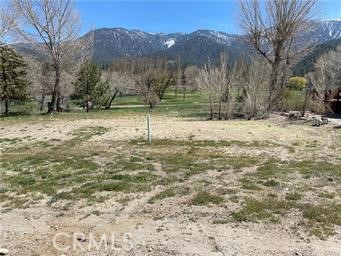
x=172, y=16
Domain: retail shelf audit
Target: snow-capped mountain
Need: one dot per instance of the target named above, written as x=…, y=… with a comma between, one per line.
x=217, y=36
x=319, y=32
x=331, y=29
x=107, y=44
x=111, y=43
x=170, y=42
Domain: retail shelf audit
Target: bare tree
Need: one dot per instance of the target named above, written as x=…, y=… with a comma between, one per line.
x=255, y=89
x=214, y=83
x=239, y=78
x=153, y=79
x=144, y=87
x=272, y=30
x=153, y=84
x=189, y=79
x=205, y=86
x=66, y=89
x=179, y=76
x=6, y=20
x=118, y=82
x=41, y=76
x=53, y=27
x=325, y=78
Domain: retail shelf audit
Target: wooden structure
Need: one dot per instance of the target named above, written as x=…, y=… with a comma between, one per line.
x=335, y=101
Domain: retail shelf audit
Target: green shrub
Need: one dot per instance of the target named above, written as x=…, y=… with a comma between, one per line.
x=297, y=83
x=292, y=100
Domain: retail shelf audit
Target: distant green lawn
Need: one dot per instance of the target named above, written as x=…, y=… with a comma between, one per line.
x=193, y=105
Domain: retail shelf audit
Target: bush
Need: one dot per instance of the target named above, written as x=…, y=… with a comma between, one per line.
x=292, y=100
x=297, y=83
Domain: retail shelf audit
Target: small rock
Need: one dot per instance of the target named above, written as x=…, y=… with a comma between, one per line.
x=319, y=120
x=81, y=239
x=294, y=115
x=4, y=251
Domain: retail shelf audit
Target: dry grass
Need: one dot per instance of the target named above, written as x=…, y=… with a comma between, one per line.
x=260, y=179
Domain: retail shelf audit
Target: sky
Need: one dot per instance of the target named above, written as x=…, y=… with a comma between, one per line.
x=173, y=16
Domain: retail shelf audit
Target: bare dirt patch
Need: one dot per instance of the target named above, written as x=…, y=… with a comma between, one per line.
x=201, y=188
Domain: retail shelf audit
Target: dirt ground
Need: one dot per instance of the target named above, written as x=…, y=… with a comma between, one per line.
x=132, y=127
x=170, y=226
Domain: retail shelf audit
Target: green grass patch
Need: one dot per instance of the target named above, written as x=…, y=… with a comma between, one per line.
x=249, y=184
x=322, y=219
x=239, y=162
x=326, y=194
x=271, y=183
x=66, y=165
x=169, y=192
x=266, y=209
x=9, y=141
x=205, y=198
x=293, y=196
x=207, y=143
x=275, y=169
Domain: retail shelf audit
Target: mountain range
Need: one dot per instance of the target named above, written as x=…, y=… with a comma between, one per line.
x=107, y=44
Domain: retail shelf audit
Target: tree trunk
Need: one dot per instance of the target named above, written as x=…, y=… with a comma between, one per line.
x=151, y=105
x=184, y=94
x=87, y=105
x=253, y=109
x=111, y=100
x=273, y=84
x=219, y=110
x=305, y=102
x=42, y=102
x=87, y=97
x=211, y=109
x=53, y=104
x=59, y=104
x=272, y=87
x=6, y=107
x=277, y=81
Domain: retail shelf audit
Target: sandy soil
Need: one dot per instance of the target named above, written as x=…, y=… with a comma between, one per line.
x=168, y=227
x=127, y=128
x=31, y=232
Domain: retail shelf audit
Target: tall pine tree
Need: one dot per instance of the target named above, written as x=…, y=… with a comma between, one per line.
x=88, y=84
x=13, y=72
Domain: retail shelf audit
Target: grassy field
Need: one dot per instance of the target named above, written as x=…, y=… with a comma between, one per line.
x=193, y=106
x=270, y=179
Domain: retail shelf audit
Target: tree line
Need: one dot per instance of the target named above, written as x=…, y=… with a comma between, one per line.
x=252, y=90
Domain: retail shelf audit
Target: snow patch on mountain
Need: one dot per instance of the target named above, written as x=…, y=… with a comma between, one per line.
x=332, y=27
x=217, y=36
x=169, y=42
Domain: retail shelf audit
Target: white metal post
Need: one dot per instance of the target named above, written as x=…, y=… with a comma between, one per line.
x=149, y=129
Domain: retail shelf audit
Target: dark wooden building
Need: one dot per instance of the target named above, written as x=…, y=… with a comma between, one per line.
x=335, y=101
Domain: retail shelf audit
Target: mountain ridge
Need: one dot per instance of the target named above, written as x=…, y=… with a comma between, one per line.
x=135, y=43
x=108, y=44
